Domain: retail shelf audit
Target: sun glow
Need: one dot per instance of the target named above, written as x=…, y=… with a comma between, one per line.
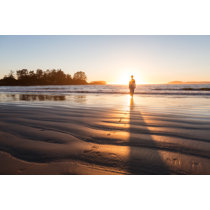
x=125, y=77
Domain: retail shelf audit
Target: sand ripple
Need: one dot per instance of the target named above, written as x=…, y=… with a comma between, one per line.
x=101, y=141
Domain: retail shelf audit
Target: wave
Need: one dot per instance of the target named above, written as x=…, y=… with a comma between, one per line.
x=194, y=90
x=184, y=89
x=108, y=92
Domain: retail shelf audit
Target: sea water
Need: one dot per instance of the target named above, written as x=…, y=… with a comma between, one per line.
x=163, y=89
x=188, y=99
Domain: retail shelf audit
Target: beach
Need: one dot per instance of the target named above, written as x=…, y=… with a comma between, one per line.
x=104, y=134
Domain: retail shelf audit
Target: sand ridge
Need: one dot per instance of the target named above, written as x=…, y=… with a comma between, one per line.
x=101, y=141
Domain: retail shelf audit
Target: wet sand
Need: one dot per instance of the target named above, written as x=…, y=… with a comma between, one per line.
x=102, y=140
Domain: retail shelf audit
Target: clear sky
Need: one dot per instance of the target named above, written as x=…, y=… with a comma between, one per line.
x=151, y=59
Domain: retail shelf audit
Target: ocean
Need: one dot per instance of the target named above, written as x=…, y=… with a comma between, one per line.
x=157, y=89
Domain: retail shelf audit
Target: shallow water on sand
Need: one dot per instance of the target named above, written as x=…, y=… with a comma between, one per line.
x=188, y=105
x=104, y=134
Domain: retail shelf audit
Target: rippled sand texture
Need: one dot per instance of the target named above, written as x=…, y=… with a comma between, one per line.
x=57, y=140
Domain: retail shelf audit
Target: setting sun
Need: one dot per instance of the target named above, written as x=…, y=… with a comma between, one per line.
x=125, y=77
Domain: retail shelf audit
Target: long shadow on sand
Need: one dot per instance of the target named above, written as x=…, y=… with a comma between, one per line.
x=144, y=157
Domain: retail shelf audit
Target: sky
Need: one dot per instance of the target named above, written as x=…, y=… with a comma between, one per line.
x=151, y=59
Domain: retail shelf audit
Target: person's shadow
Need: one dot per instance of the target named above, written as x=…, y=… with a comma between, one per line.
x=144, y=157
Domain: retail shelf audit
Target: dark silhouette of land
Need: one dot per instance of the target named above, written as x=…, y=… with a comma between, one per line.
x=25, y=77
x=189, y=82
x=97, y=83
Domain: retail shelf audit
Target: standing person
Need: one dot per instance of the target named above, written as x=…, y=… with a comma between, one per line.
x=132, y=85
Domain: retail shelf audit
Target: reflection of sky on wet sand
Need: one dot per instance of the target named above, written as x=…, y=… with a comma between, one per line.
x=25, y=97
x=31, y=97
x=36, y=98
x=188, y=106
x=146, y=134
x=80, y=99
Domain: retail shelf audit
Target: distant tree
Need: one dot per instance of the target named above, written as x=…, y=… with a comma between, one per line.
x=60, y=76
x=39, y=74
x=80, y=77
x=22, y=74
x=11, y=75
x=9, y=79
x=68, y=79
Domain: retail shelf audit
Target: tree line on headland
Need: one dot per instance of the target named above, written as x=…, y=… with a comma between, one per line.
x=49, y=77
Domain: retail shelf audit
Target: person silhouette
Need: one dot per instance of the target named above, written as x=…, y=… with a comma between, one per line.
x=132, y=85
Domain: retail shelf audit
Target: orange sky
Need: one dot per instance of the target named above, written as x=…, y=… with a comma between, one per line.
x=151, y=59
